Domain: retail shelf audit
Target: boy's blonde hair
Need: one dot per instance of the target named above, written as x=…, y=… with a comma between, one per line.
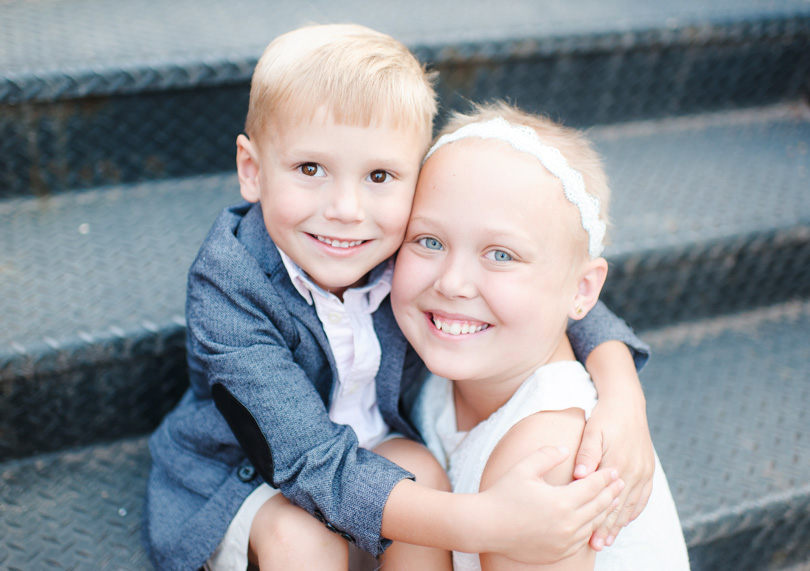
x=361, y=76
x=573, y=144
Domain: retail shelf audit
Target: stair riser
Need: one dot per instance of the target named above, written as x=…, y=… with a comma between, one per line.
x=132, y=381
x=657, y=289
x=776, y=542
x=57, y=399
x=53, y=142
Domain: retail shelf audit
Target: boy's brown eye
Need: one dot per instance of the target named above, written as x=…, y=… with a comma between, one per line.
x=378, y=176
x=309, y=169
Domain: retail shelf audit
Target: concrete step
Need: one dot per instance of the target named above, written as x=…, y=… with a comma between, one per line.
x=711, y=216
x=95, y=93
x=727, y=403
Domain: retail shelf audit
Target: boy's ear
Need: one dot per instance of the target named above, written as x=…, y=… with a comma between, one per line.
x=247, y=168
x=588, y=288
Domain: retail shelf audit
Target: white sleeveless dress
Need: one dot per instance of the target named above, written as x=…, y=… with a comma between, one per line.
x=653, y=541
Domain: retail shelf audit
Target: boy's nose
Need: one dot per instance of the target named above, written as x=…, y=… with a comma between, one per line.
x=346, y=204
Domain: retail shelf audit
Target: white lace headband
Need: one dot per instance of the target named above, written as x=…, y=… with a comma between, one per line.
x=526, y=140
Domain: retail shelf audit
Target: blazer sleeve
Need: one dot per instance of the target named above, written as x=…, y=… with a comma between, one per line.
x=243, y=345
x=601, y=325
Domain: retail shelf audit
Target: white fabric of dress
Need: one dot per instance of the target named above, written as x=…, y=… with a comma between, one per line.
x=653, y=541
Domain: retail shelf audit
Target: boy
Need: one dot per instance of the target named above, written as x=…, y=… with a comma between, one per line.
x=503, y=248
x=296, y=365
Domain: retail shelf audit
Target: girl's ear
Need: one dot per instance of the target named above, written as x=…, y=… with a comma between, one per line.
x=588, y=288
x=247, y=168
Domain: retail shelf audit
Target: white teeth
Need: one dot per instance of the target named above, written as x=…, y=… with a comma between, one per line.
x=338, y=243
x=457, y=328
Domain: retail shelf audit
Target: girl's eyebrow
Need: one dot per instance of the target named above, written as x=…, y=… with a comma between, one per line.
x=488, y=233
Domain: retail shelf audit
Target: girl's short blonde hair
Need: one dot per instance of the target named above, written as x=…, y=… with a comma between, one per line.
x=573, y=144
x=361, y=76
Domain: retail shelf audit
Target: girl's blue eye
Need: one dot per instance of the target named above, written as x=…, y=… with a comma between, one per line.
x=378, y=176
x=499, y=256
x=431, y=244
x=311, y=169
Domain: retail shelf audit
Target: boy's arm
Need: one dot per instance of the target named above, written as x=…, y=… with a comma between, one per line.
x=601, y=325
x=617, y=435
x=504, y=518
x=248, y=349
x=284, y=429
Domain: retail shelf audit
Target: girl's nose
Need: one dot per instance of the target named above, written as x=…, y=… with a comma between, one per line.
x=456, y=279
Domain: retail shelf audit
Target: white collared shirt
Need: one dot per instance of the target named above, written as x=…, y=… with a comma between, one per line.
x=349, y=329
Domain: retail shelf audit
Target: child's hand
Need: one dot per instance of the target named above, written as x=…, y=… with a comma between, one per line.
x=617, y=437
x=544, y=523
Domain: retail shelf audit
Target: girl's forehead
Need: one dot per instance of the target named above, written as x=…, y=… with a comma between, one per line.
x=491, y=158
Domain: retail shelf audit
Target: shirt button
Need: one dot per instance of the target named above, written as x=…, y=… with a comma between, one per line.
x=246, y=473
x=335, y=317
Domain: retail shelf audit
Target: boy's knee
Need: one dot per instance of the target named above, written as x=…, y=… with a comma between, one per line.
x=418, y=460
x=430, y=474
x=283, y=527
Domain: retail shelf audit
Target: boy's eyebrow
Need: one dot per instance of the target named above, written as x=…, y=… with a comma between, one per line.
x=296, y=153
x=319, y=155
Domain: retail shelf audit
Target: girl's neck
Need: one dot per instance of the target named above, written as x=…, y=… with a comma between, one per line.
x=477, y=399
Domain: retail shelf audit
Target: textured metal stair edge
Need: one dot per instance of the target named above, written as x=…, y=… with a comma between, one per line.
x=761, y=513
x=633, y=256
x=46, y=86
x=792, y=110
x=115, y=191
x=657, y=287
x=699, y=331
x=132, y=448
x=783, y=29
x=16, y=88
x=51, y=356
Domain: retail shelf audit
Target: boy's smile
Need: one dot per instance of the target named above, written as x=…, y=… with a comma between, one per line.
x=335, y=198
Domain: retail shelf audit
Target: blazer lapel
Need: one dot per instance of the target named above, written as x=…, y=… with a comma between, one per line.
x=253, y=235
x=389, y=377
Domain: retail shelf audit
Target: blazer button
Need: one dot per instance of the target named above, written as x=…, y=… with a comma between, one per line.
x=331, y=527
x=347, y=537
x=246, y=473
x=319, y=516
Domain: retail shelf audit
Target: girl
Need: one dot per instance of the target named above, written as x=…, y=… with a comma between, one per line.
x=502, y=249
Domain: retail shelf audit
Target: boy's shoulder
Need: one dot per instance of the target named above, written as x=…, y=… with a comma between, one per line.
x=238, y=239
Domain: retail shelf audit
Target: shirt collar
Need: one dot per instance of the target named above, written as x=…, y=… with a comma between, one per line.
x=378, y=286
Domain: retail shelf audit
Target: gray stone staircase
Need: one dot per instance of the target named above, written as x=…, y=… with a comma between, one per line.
x=117, y=128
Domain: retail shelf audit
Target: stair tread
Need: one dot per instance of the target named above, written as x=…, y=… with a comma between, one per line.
x=727, y=402
x=53, y=49
x=113, y=261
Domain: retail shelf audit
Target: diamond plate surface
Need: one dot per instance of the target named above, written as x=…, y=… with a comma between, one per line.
x=90, y=40
x=727, y=403
x=75, y=510
x=728, y=407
